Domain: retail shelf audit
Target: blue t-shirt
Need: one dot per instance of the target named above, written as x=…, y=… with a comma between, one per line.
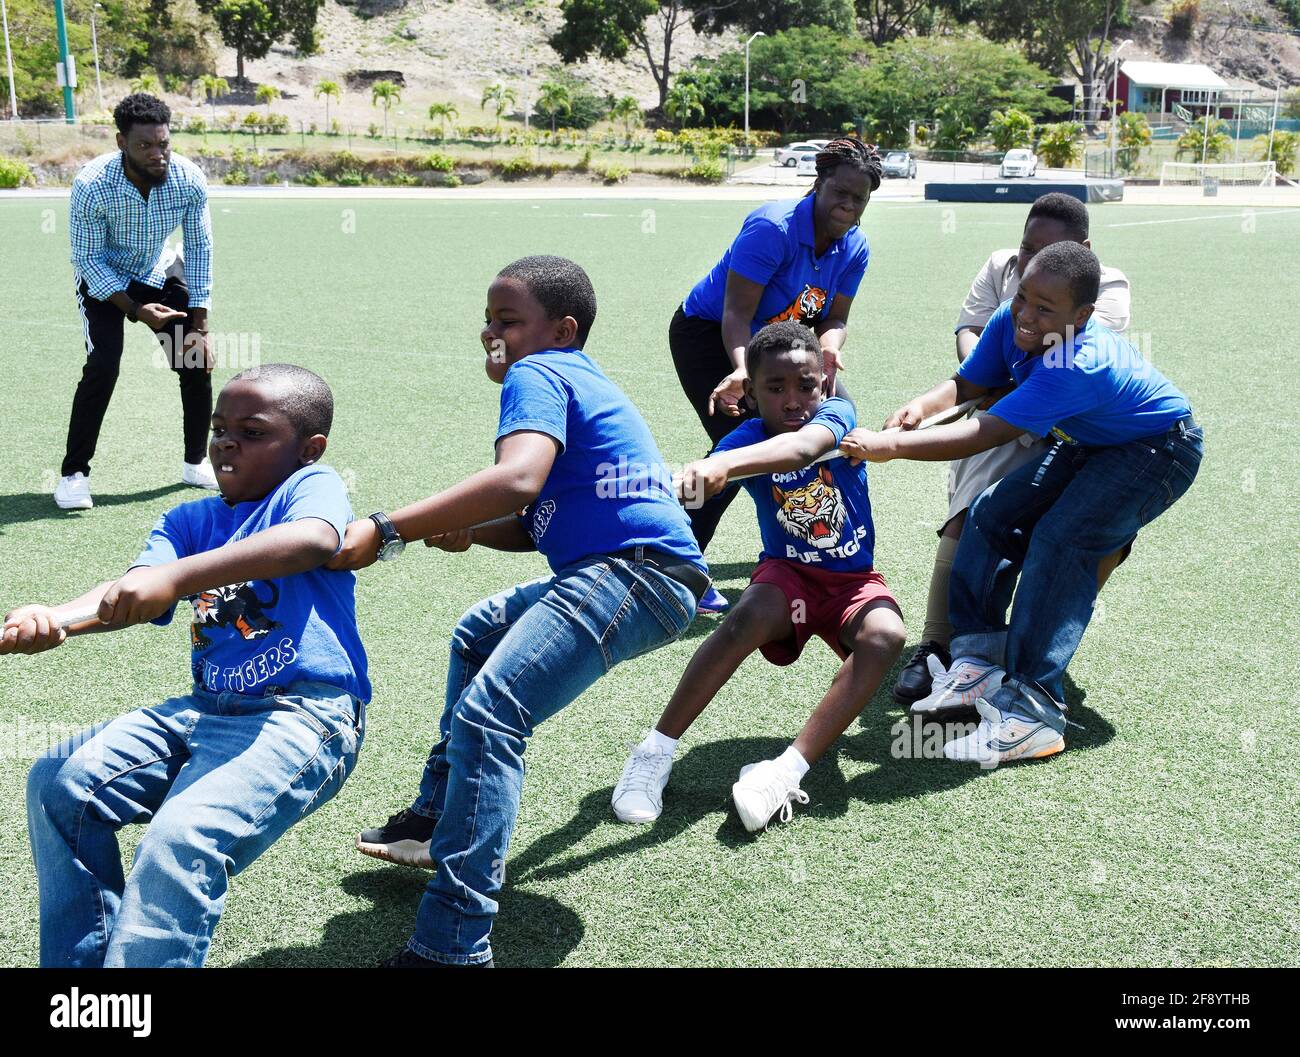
x=609, y=488
x=248, y=636
x=819, y=515
x=775, y=249
x=1099, y=391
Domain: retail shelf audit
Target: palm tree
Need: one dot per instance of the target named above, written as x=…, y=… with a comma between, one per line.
x=267, y=93
x=385, y=93
x=682, y=101
x=553, y=97
x=442, y=113
x=501, y=98
x=628, y=112
x=213, y=86
x=328, y=89
x=146, y=82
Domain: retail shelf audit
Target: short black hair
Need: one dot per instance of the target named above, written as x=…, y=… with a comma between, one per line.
x=140, y=108
x=1067, y=210
x=1074, y=263
x=304, y=396
x=851, y=151
x=560, y=286
x=780, y=337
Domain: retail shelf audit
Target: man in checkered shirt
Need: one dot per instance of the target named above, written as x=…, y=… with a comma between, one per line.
x=124, y=206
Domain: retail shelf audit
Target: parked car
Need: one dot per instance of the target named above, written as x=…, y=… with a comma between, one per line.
x=899, y=163
x=789, y=156
x=1018, y=162
x=807, y=164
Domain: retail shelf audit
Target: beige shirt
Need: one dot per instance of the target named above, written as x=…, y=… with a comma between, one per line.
x=998, y=281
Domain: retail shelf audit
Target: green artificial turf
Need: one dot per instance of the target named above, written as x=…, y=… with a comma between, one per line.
x=1164, y=835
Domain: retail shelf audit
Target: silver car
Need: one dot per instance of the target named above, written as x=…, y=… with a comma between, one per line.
x=789, y=156
x=899, y=163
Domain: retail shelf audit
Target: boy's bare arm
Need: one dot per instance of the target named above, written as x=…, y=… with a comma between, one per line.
x=957, y=440
x=705, y=478
x=503, y=534
x=947, y=394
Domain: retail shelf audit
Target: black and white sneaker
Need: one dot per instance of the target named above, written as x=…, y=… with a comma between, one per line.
x=403, y=839
x=917, y=677
x=408, y=959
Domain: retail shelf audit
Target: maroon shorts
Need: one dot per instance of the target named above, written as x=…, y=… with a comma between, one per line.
x=821, y=603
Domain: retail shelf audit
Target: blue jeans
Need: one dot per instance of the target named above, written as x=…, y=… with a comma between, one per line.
x=516, y=660
x=1050, y=523
x=218, y=777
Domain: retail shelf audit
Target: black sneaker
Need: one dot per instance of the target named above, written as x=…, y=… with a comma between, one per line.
x=403, y=839
x=915, y=678
x=408, y=959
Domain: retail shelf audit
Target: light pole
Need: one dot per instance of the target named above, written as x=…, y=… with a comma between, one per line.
x=1277, y=94
x=1114, y=103
x=94, y=40
x=9, y=62
x=760, y=33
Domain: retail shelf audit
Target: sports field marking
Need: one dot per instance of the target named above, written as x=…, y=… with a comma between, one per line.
x=1214, y=216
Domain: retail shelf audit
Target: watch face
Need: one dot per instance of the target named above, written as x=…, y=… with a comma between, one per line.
x=391, y=550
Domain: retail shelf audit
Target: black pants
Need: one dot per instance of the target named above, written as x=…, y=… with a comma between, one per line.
x=103, y=322
x=700, y=357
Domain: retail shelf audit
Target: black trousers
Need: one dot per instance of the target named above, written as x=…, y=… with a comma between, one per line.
x=700, y=357
x=102, y=322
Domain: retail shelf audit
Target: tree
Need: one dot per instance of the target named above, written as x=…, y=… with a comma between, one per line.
x=330, y=90
x=612, y=28
x=774, y=16
x=683, y=100
x=385, y=93
x=1059, y=145
x=443, y=113
x=267, y=93
x=297, y=20
x=1133, y=133
x=501, y=98
x=212, y=88
x=146, y=82
x=627, y=112
x=1062, y=35
x=1283, y=154
x=887, y=20
x=1011, y=128
x=1204, y=140
x=248, y=26
x=553, y=99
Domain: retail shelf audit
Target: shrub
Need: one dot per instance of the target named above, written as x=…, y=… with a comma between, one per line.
x=351, y=178
x=518, y=168
x=451, y=181
x=1183, y=17
x=1285, y=145
x=584, y=163
x=1059, y=145
x=705, y=171
x=237, y=176
x=196, y=126
x=14, y=173
x=1204, y=138
x=315, y=178
x=615, y=174
x=335, y=128
x=373, y=131
x=439, y=162
x=1010, y=129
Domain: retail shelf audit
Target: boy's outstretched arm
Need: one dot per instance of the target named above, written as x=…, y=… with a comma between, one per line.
x=705, y=478
x=947, y=394
x=524, y=459
x=37, y=628
x=958, y=440
x=503, y=534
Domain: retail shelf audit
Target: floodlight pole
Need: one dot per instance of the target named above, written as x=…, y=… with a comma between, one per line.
x=67, y=68
x=1277, y=91
x=9, y=63
x=1114, y=103
x=760, y=33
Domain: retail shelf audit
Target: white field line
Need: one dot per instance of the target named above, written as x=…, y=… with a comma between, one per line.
x=1244, y=211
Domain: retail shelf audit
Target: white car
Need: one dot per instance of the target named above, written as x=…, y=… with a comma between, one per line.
x=807, y=164
x=1018, y=162
x=789, y=156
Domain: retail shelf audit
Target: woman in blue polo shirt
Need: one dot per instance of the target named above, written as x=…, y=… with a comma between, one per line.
x=799, y=259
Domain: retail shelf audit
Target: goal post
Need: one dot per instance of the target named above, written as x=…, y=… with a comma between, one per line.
x=1227, y=174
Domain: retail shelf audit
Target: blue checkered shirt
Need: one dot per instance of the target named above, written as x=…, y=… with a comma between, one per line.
x=119, y=236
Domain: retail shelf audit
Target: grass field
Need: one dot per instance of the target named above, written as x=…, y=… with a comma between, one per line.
x=1164, y=835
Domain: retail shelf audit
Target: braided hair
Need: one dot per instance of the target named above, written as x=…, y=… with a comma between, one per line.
x=864, y=157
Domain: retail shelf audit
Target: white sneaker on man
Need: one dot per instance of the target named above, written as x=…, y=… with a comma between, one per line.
x=73, y=492
x=200, y=474
x=766, y=789
x=957, y=689
x=639, y=795
x=1002, y=737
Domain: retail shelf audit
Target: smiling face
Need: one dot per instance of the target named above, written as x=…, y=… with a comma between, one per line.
x=1043, y=310
x=841, y=198
x=787, y=388
x=515, y=326
x=255, y=446
x=148, y=152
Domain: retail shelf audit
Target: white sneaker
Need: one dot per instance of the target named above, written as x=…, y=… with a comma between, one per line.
x=1002, y=737
x=766, y=789
x=639, y=795
x=200, y=474
x=957, y=689
x=73, y=492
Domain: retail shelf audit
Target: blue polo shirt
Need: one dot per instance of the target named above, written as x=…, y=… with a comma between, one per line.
x=775, y=249
x=609, y=488
x=1099, y=390
x=818, y=515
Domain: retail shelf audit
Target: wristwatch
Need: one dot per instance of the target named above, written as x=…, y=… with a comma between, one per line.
x=393, y=544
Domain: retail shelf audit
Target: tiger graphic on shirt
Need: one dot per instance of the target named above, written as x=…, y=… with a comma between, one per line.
x=805, y=308
x=814, y=512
